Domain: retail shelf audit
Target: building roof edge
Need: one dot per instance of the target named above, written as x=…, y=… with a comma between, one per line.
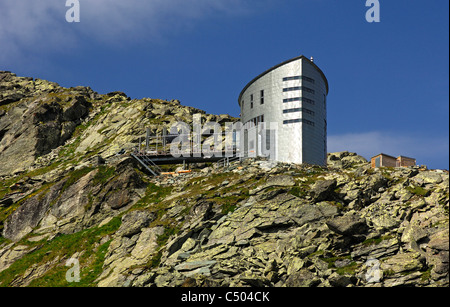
x=383, y=154
x=279, y=65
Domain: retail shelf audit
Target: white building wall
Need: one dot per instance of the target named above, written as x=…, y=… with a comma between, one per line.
x=296, y=142
x=314, y=138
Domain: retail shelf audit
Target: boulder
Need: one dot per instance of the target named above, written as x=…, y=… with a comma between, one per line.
x=323, y=190
x=29, y=214
x=302, y=278
x=348, y=225
x=133, y=222
x=345, y=159
x=339, y=281
x=402, y=263
x=425, y=177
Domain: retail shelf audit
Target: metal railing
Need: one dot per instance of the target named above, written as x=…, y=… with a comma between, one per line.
x=225, y=162
x=148, y=167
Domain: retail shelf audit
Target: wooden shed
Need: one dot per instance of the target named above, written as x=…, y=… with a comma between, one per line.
x=405, y=161
x=390, y=161
x=383, y=160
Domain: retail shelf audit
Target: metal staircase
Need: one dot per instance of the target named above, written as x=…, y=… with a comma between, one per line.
x=148, y=164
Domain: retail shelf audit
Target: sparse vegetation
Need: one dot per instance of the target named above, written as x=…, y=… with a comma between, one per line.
x=225, y=222
x=419, y=191
x=61, y=248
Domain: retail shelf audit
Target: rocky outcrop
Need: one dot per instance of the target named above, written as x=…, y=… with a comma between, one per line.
x=252, y=229
x=253, y=223
x=75, y=202
x=38, y=116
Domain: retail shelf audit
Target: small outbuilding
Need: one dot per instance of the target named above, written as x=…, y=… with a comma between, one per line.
x=403, y=161
x=390, y=161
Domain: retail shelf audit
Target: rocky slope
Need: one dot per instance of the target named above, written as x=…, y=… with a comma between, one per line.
x=66, y=194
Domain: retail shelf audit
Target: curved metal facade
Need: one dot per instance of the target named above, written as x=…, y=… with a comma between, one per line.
x=293, y=95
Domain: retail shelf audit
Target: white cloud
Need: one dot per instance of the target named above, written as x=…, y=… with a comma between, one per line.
x=29, y=26
x=25, y=23
x=429, y=150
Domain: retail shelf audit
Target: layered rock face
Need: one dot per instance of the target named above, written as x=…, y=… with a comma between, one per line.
x=36, y=117
x=69, y=195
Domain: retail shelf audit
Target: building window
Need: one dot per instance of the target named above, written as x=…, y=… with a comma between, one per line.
x=308, y=90
x=251, y=101
x=308, y=122
x=262, y=96
x=307, y=111
x=308, y=79
x=299, y=120
x=257, y=120
x=290, y=89
x=292, y=99
x=298, y=88
x=303, y=99
x=311, y=80
x=292, y=78
x=292, y=121
x=308, y=100
x=292, y=110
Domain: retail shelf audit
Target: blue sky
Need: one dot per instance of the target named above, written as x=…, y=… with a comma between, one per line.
x=389, y=81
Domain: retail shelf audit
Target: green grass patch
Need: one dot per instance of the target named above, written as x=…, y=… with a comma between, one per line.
x=64, y=247
x=153, y=195
x=74, y=176
x=299, y=191
x=3, y=240
x=376, y=241
x=426, y=275
x=349, y=269
x=228, y=207
x=229, y=203
x=103, y=174
x=419, y=191
x=168, y=232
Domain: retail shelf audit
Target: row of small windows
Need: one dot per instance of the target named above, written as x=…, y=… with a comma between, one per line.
x=257, y=120
x=303, y=99
x=286, y=100
x=295, y=110
x=260, y=119
x=298, y=120
x=289, y=89
x=261, y=99
x=300, y=78
x=299, y=88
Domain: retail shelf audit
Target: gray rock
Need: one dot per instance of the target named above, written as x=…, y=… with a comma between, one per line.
x=276, y=235
x=402, y=263
x=427, y=177
x=280, y=180
x=323, y=190
x=302, y=278
x=37, y=125
x=348, y=225
x=190, y=266
x=29, y=214
x=337, y=280
x=345, y=159
x=133, y=222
